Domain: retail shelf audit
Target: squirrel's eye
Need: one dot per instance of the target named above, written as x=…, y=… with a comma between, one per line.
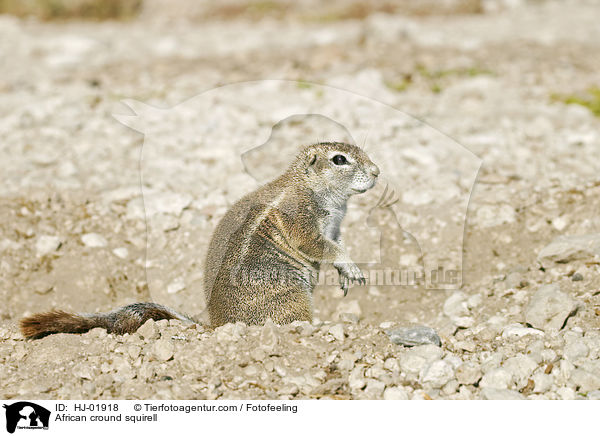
x=339, y=159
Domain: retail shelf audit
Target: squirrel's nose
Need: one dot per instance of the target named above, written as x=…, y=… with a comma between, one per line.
x=374, y=170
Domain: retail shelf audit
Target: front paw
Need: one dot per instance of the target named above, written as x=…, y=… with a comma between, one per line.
x=349, y=272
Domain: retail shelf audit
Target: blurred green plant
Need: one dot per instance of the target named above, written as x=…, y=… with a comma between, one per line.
x=72, y=9
x=590, y=99
x=434, y=78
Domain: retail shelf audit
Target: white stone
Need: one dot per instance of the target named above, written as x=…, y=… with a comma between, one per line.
x=542, y=382
x=576, y=351
x=149, y=330
x=437, y=373
x=474, y=301
x=337, y=331
x=356, y=379
x=516, y=331
x=172, y=203
x=464, y=321
x=549, y=308
x=395, y=393
x=456, y=305
x=567, y=248
x=94, y=240
x=560, y=223
x=163, y=350
x=521, y=367
x=566, y=393
x=468, y=373
x=586, y=381
x=498, y=378
x=374, y=388
x=416, y=358
x=46, y=244
x=121, y=252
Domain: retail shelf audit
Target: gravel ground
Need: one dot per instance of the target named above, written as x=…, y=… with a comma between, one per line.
x=73, y=235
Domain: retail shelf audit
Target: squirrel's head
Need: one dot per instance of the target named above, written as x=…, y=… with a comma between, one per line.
x=338, y=167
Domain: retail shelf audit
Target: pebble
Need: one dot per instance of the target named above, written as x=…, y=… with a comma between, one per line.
x=549, y=308
x=269, y=336
x=542, y=382
x=567, y=248
x=566, y=393
x=337, y=331
x=94, y=240
x=374, y=389
x=437, y=373
x=395, y=393
x=517, y=331
x=456, y=305
x=520, y=367
x=149, y=330
x=497, y=378
x=586, y=381
x=46, y=244
x=166, y=202
x=356, y=379
x=468, y=373
x=121, y=252
x=414, y=359
x=575, y=351
x=163, y=350
x=412, y=336
x=577, y=277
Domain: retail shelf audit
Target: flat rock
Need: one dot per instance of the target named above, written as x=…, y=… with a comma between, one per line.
x=517, y=331
x=549, y=308
x=413, y=336
x=568, y=248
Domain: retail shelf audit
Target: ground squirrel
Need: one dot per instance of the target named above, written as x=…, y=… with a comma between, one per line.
x=265, y=254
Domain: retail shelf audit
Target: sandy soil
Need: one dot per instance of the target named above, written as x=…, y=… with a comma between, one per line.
x=487, y=81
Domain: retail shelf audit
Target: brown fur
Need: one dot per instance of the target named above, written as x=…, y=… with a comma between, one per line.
x=265, y=254
x=126, y=319
x=55, y=321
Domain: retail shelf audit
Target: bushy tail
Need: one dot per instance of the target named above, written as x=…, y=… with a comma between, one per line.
x=126, y=319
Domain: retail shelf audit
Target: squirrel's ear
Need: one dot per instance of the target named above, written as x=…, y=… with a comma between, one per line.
x=311, y=159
